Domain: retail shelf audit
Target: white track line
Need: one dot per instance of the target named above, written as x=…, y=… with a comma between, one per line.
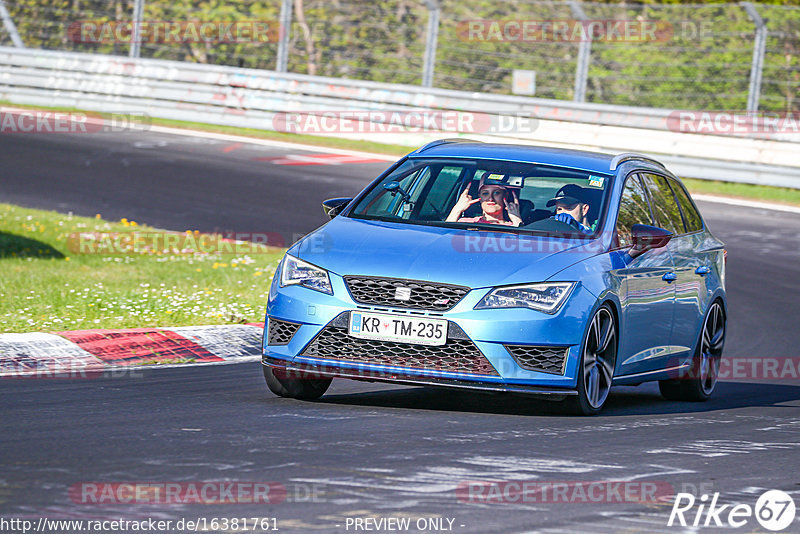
x=271, y=143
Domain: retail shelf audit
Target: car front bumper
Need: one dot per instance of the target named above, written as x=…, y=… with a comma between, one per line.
x=491, y=331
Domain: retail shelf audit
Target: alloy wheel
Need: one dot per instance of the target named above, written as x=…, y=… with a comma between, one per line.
x=599, y=356
x=711, y=346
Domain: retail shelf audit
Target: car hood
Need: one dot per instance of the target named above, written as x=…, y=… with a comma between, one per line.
x=348, y=246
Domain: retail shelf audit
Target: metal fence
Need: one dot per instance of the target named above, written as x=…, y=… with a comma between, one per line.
x=701, y=56
x=264, y=99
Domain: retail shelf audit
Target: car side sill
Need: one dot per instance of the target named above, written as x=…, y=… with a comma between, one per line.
x=645, y=374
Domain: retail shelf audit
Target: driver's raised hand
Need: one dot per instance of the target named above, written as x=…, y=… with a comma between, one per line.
x=513, y=209
x=464, y=201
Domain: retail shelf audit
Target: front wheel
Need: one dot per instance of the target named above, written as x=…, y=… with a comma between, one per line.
x=283, y=384
x=699, y=382
x=596, y=370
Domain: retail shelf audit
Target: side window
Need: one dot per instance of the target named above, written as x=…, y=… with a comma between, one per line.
x=441, y=191
x=691, y=217
x=665, y=207
x=633, y=209
x=383, y=203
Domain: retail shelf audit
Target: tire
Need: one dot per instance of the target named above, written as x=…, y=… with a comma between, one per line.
x=283, y=385
x=699, y=382
x=596, y=369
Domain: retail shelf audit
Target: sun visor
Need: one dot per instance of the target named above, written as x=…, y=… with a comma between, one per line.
x=503, y=180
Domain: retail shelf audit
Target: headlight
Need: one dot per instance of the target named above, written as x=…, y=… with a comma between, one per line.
x=295, y=271
x=546, y=297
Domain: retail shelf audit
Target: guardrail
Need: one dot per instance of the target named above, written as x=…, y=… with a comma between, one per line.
x=252, y=98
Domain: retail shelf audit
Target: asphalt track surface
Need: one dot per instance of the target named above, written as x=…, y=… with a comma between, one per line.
x=367, y=450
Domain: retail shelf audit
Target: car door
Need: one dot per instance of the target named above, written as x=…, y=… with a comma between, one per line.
x=691, y=265
x=647, y=299
x=667, y=215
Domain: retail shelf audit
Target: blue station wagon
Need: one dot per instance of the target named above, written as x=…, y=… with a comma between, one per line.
x=557, y=273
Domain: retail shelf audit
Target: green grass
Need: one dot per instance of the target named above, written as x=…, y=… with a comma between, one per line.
x=731, y=189
x=780, y=195
x=47, y=284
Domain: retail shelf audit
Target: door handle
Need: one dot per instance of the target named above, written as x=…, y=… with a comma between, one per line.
x=669, y=277
x=702, y=270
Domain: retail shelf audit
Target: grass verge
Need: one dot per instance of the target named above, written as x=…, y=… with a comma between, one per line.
x=50, y=282
x=781, y=195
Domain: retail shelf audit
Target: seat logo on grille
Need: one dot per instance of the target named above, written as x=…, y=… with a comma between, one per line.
x=402, y=293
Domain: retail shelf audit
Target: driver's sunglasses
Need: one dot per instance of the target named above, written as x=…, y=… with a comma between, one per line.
x=496, y=193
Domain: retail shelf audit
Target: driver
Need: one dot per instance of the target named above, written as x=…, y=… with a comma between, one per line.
x=494, y=200
x=572, y=207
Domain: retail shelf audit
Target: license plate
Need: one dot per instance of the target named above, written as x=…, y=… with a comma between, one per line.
x=386, y=327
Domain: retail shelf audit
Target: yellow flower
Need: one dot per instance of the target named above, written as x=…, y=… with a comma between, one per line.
x=257, y=273
x=66, y=259
x=124, y=221
x=97, y=216
x=134, y=223
x=198, y=269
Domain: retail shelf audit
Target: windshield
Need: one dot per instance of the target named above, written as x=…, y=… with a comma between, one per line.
x=490, y=194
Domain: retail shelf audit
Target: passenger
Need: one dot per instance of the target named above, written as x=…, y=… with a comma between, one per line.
x=494, y=199
x=572, y=207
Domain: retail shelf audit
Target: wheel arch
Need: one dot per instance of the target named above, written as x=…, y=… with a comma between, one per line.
x=611, y=300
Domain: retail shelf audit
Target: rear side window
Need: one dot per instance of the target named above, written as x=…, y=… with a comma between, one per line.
x=691, y=217
x=633, y=209
x=665, y=207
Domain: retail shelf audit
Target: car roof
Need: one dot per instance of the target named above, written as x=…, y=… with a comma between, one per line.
x=560, y=157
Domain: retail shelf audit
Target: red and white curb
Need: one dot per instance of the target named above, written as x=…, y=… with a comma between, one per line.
x=66, y=354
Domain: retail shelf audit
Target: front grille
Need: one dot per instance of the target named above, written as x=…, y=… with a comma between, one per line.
x=423, y=295
x=543, y=359
x=280, y=332
x=457, y=355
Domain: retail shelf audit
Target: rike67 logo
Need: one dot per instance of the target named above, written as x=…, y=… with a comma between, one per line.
x=774, y=510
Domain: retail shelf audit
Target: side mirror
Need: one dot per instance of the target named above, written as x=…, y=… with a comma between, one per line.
x=646, y=237
x=333, y=206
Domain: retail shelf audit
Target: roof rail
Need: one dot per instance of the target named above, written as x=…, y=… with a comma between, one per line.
x=619, y=159
x=439, y=142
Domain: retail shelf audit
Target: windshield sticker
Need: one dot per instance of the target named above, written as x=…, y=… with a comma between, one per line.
x=596, y=181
